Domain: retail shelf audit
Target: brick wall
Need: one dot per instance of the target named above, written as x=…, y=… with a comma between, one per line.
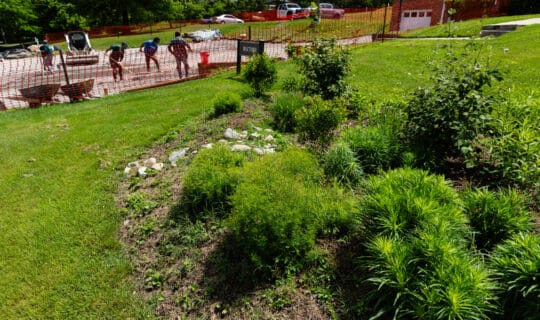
x=470, y=10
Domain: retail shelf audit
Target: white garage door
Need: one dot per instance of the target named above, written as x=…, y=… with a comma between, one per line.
x=414, y=19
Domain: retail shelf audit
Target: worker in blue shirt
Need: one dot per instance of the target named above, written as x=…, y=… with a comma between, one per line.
x=150, y=49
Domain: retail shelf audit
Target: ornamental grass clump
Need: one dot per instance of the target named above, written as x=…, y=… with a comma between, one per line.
x=341, y=164
x=496, y=216
x=283, y=110
x=516, y=262
x=418, y=260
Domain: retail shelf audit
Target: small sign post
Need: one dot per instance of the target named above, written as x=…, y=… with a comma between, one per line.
x=247, y=48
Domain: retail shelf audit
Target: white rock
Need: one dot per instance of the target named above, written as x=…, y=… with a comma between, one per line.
x=258, y=151
x=127, y=170
x=177, y=155
x=207, y=146
x=231, y=134
x=150, y=162
x=126, y=223
x=158, y=166
x=134, y=164
x=269, y=130
x=269, y=150
x=254, y=136
x=240, y=147
x=256, y=128
x=223, y=141
x=141, y=171
x=269, y=138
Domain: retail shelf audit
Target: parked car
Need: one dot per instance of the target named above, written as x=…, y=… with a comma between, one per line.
x=328, y=10
x=292, y=11
x=228, y=18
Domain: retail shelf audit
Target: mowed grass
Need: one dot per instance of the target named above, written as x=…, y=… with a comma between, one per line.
x=469, y=28
x=59, y=253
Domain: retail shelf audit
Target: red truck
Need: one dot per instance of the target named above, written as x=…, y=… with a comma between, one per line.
x=327, y=10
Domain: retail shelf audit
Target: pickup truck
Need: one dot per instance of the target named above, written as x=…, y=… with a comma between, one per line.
x=292, y=11
x=327, y=10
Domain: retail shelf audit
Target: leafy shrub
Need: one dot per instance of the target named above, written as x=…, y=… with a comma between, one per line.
x=224, y=103
x=445, y=118
x=510, y=154
x=376, y=147
x=279, y=208
x=208, y=182
x=283, y=111
x=517, y=265
x=496, y=216
x=418, y=258
x=318, y=119
x=340, y=163
x=260, y=72
x=324, y=67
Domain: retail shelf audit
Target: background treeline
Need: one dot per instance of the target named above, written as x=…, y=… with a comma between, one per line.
x=29, y=18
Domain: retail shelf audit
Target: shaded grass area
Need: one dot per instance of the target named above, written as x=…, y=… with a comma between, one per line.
x=469, y=28
x=60, y=254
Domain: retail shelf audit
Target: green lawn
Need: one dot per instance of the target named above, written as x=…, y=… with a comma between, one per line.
x=469, y=28
x=59, y=255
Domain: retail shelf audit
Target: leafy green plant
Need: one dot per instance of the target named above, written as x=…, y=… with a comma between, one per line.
x=138, y=205
x=417, y=256
x=375, y=147
x=153, y=279
x=496, y=216
x=283, y=110
x=279, y=208
x=260, y=72
x=208, y=182
x=323, y=67
x=226, y=102
x=510, y=155
x=340, y=163
x=446, y=117
x=517, y=265
x=318, y=119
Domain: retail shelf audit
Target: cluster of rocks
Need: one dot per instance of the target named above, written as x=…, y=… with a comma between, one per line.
x=239, y=141
x=141, y=167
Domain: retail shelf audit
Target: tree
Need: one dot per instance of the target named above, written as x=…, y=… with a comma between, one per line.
x=18, y=19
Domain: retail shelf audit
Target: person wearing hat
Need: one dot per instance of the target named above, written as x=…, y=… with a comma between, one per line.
x=115, y=59
x=178, y=48
x=47, y=54
x=150, y=50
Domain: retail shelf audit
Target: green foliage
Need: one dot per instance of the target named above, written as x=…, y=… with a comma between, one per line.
x=208, y=181
x=496, y=216
x=226, y=102
x=323, y=67
x=283, y=111
x=260, y=72
x=318, y=119
x=446, y=117
x=340, y=163
x=375, y=147
x=153, y=279
x=417, y=255
x=279, y=208
x=517, y=265
x=510, y=154
x=138, y=205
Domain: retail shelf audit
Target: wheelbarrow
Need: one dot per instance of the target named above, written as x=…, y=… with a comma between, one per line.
x=37, y=95
x=77, y=91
